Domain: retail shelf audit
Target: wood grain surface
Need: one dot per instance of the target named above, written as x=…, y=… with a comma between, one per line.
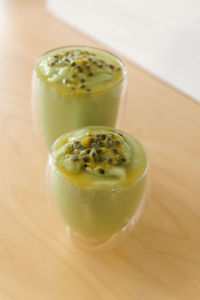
x=161, y=260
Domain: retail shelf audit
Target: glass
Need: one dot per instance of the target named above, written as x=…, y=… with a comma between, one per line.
x=56, y=111
x=96, y=218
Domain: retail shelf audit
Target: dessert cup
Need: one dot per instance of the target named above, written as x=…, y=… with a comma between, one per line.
x=99, y=197
x=76, y=86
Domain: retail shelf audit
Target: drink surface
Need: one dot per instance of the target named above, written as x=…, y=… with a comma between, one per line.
x=80, y=70
x=99, y=157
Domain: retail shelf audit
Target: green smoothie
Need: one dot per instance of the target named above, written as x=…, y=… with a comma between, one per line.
x=98, y=177
x=76, y=87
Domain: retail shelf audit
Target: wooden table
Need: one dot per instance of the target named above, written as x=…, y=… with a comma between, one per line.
x=161, y=260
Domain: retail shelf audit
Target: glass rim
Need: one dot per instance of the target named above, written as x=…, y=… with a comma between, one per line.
x=119, y=186
x=119, y=60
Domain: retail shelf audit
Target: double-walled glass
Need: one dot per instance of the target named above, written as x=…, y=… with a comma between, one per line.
x=56, y=109
x=96, y=218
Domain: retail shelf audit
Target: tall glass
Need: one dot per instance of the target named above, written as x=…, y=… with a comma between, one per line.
x=59, y=106
x=96, y=218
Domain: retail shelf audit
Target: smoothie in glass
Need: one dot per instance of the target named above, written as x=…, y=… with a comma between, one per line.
x=98, y=178
x=75, y=87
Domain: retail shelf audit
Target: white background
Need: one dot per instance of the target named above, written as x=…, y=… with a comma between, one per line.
x=162, y=36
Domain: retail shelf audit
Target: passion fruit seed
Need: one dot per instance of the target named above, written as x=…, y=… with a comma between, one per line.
x=100, y=143
x=117, y=142
x=86, y=141
x=99, y=151
x=88, y=151
x=101, y=171
x=92, y=152
x=86, y=158
x=76, y=151
x=80, y=61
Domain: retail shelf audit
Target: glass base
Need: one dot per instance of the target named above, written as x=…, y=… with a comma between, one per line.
x=109, y=243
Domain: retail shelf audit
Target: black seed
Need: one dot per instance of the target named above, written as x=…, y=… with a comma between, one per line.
x=93, y=154
x=109, y=141
x=117, y=142
x=74, y=75
x=93, y=145
x=94, y=62
x=85, y=165
x=88, y=90
x=73, y=64
x=114, y=150
x=88, y=151
x=101, y=171
x=82, y=80
x=86, y=159
x=109, y=160
x=118, y=69
x=103, y=136
x=111, y=66
x=90, y=74
x=87, y=67
x=100, y=143
x=82, y=86
x=123, y=159
x=99, y=151
x=100, y=65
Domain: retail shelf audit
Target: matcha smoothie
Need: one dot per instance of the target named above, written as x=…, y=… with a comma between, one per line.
x=76, y=87
x=98, y=177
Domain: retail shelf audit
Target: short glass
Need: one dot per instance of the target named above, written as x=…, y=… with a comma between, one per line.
x=97, y=219
x=56, y=111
